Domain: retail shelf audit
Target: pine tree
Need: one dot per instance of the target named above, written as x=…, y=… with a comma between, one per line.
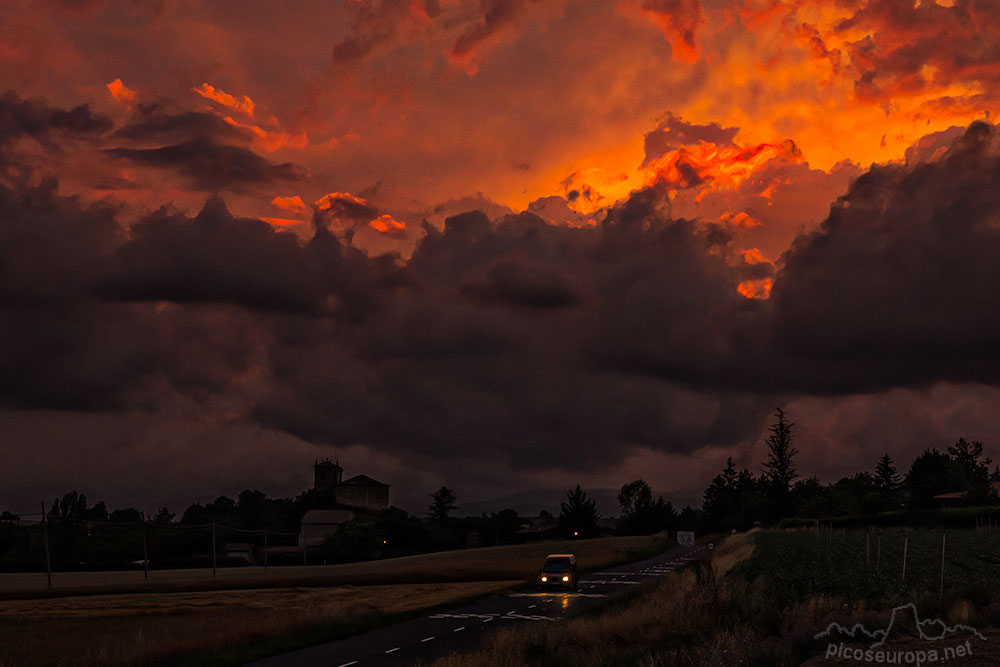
x=779, y=470
x=442, y=502
x=886, y=476
x=578, y=517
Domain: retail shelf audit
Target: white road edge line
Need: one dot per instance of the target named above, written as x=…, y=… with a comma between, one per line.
x=426, y=639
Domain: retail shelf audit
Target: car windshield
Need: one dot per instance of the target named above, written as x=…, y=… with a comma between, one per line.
x=557, y=565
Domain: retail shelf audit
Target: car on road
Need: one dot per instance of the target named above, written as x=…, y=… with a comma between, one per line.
x=559, y=570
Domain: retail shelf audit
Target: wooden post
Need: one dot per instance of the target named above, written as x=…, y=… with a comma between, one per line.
x=265, y=549
x=906, y=543
x=941, y=588
x=145, y=550
x=213, y=546
x=45, y=532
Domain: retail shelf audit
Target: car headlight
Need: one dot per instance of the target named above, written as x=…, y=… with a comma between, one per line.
x=565, y=578
x=544, y=578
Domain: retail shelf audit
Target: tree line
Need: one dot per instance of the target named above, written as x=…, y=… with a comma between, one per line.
x=739, y=499
x=85, y=535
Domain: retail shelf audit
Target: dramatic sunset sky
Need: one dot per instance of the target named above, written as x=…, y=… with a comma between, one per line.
x=493, y=244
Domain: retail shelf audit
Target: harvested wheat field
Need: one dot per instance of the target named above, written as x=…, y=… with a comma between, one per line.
x=486, y=564
x=169, y=628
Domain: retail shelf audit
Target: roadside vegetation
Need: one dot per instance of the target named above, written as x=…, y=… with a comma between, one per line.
x=762, y=600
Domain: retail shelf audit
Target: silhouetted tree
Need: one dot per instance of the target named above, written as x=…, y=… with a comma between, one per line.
x=125, y=515
x=578, y=516
x=732, y=499
x=163, y=516
x=971, y=470
x=931, y=473
x=634, y=497
x=779, y=469
x=442, y=502
x=640, y=514
x=886, y=476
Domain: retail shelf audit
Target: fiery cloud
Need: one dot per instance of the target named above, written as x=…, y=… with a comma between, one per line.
x=123, y=94
x=242, y=104
x=679, y=21
x=385, y=224
x=646, y=222
x=710, y=164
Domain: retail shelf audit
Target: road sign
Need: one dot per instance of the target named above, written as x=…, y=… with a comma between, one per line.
x=685, y=538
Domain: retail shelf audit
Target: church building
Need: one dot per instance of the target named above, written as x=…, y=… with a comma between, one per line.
x=358, y=491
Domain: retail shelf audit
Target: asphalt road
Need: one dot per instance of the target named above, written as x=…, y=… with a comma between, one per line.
x=425, y=639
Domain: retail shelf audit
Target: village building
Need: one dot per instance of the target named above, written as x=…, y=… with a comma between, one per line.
x=317, y=525
x=359, y=491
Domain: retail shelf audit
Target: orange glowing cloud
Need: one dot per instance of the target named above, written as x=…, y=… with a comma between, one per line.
x=740, y=220
x=753, y=256
x=271, y=140
x=293, y=204
x=282, y=222
x=244, y=105
x=756, y=289
x=678, y=20
x=708, y=164
x=123, y=94
x=385, y=224
x=332, y=200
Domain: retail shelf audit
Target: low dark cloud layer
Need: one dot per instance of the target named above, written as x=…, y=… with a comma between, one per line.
x=36, y=119
x=513, y=340
x=210, y=166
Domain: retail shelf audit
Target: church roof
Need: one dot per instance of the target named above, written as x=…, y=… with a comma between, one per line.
x=363, y=480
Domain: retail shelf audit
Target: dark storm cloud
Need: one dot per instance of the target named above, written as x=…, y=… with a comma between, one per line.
x=507, y=340
x=163, y=122
x=674, y=132
x=210, y=166
x=212, y=258
x=900, y=285
x=36, y=119
x=959, y=42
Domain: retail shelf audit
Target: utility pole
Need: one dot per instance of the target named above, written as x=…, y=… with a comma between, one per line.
x=45, y=532
x=213, y=546
x=145, y=549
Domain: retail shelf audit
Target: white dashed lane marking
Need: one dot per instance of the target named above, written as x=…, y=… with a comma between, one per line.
x=348, y=664
x=459, y=629
x=393, y=650
x=426, y=639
